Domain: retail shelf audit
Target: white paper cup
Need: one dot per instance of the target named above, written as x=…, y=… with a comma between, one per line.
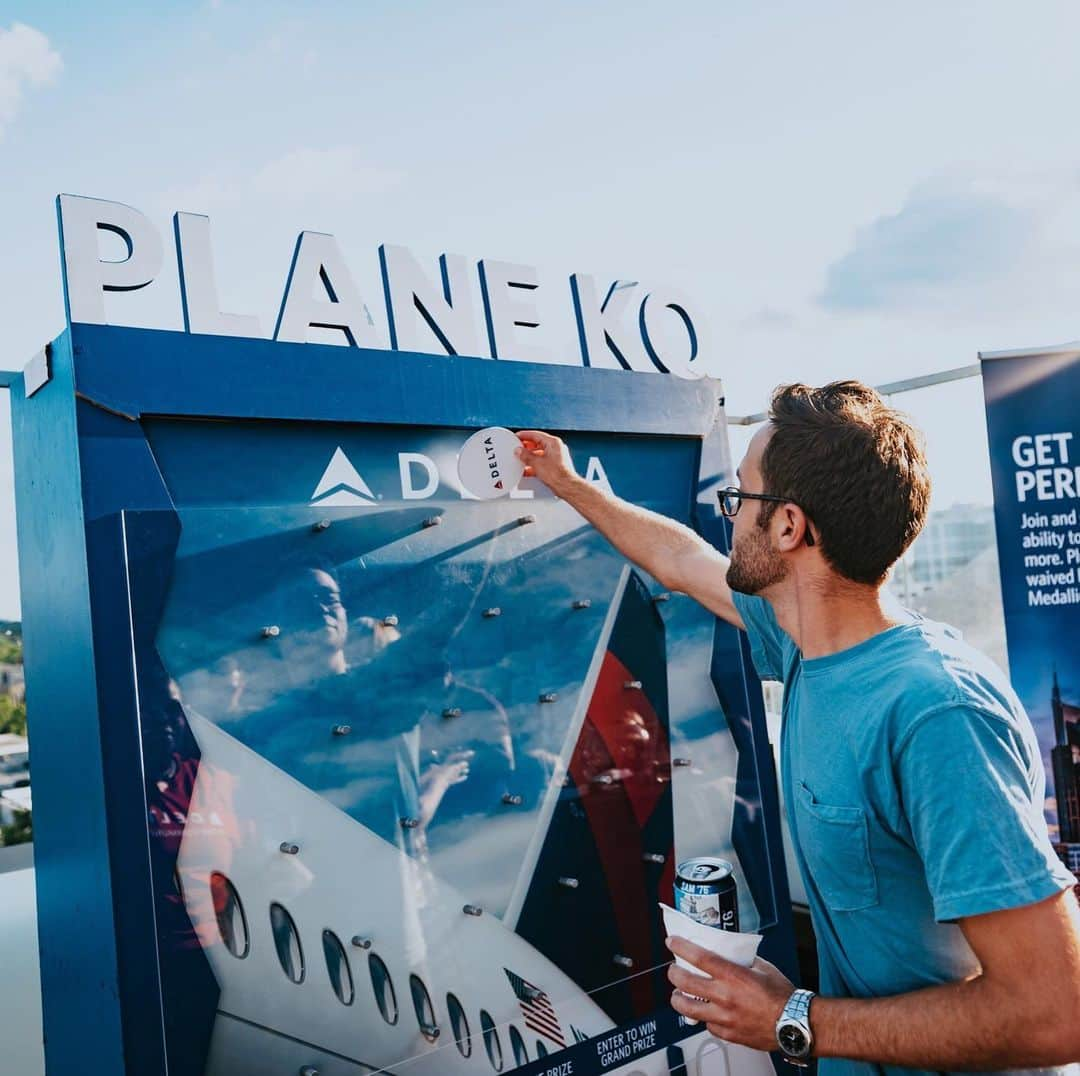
x=732, y=945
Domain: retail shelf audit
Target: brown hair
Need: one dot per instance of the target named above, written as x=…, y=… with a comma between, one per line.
x=855, y=466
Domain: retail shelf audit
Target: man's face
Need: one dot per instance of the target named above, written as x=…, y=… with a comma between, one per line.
x=334, y=618
x=755, y=563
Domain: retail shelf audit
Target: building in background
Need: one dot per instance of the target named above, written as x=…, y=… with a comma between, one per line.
x=951, y=574
x=12, y=683
x=951, y=539
x=15, y=803
x=14, y=788
x=1065, y=760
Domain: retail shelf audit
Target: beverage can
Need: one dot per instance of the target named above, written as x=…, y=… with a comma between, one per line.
x=705, y=890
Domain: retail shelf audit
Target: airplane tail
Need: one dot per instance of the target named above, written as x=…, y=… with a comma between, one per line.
x=608, y=854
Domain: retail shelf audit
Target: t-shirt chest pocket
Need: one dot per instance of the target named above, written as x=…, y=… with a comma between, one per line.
x=835, y=843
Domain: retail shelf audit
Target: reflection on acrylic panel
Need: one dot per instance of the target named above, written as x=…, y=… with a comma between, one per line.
x=428, y=777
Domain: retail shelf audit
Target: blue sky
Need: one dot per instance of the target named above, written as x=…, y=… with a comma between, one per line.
x=845, y=189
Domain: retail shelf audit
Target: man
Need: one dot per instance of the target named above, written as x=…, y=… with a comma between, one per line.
x=948, y=933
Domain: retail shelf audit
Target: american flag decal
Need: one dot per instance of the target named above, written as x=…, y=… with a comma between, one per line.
x=536, y=1008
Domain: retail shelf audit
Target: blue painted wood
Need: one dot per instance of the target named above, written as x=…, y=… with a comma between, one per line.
x=76, y=918
x=138, y=979
x=149, y=371
x=119, y=469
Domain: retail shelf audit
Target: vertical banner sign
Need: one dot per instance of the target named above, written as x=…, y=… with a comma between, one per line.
x=1033, y=420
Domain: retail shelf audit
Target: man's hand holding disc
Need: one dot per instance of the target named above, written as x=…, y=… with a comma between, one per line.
x=546, y=457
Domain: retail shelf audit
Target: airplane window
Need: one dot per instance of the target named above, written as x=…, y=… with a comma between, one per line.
x=231, y=922
x=337, y=967
x=541, y=1049
x=459, y=1022
x=491, y=1041
x=425, y=1011
x=517, y=1044
x=287, y=941
x=384, y=989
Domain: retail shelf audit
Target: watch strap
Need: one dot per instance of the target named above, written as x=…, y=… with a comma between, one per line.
x=798, y=1007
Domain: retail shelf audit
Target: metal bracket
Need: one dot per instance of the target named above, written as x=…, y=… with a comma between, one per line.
x=38, y=371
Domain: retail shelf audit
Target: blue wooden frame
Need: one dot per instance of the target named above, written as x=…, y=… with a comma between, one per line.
x=138, y=372
x=81, y=460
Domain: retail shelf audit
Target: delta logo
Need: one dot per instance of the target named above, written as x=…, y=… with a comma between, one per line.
x=342, y=485
x=492, y=462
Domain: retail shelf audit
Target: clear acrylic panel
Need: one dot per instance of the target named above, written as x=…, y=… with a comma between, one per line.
x=426, y=769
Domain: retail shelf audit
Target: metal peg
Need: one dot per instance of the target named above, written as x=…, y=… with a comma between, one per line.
x=548, y=696
x=658, y=598
x=492, y=612
x=451, y=712
x=410, y=823
x=322, y=525
x=525, y=520
x=603, y=779
x=473, y=909
x=361, y=942
x=288, y=848
x=341, y=730
x=271, y=631
x=512, y=800
x=622, y=961
x=429, y=1031
x=569, y=883
x=582, y=603
x=632, y=685
x=432, y=521
x=389, y=621
x=681, y=762
x=654, y=857
x=309, y=1070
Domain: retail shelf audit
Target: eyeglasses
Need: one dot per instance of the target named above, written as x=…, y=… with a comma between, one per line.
x=731, y=501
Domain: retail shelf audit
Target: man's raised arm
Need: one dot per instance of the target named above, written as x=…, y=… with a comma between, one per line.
x=674, y=554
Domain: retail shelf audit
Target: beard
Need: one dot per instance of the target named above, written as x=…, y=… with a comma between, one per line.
x=754, y=564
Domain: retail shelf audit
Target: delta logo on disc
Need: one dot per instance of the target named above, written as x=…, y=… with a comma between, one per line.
x=488, y=465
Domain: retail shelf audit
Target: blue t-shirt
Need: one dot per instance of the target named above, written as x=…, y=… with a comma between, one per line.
x=914, y=794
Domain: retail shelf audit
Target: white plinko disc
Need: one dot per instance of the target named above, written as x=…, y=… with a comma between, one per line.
x=487, y=466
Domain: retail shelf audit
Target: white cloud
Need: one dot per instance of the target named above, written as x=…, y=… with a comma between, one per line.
x=26, y=60
x=943, y=235
x=963, y=243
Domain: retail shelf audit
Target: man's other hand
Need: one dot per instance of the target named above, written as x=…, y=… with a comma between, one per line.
x=739, y=1005
x=546, y=457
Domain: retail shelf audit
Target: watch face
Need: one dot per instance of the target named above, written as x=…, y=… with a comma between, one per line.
x=792, y=1040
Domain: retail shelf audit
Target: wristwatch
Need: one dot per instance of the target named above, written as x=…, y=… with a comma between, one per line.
x=793, y=1034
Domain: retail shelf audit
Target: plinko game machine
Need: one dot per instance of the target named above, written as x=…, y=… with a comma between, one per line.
x=339, y=769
